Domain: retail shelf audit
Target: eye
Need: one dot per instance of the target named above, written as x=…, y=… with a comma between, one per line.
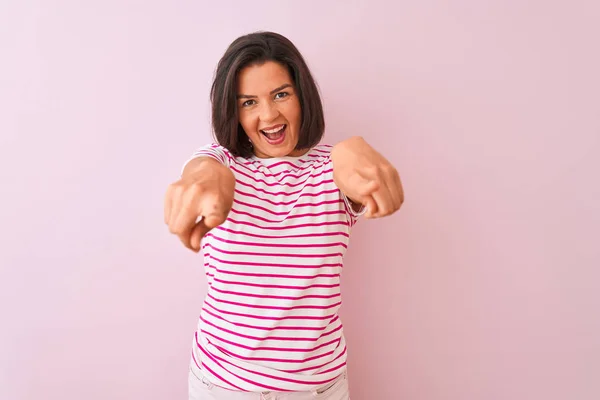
x=248, y=103
x=281, y=95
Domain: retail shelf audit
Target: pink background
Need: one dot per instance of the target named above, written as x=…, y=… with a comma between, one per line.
x=484, y=286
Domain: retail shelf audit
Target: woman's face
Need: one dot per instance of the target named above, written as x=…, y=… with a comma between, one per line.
x=269, y=110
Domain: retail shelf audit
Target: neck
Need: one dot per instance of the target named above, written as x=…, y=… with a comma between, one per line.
x=295, y=153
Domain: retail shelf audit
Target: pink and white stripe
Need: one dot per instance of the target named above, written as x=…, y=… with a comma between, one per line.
x=270, y=318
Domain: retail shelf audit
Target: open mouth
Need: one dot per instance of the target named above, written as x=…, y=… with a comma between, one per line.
x=275, y=135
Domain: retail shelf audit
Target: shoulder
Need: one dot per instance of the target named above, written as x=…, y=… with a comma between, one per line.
x=215, y=151
x=321, y=152
x=217, y=147
x=323, y=148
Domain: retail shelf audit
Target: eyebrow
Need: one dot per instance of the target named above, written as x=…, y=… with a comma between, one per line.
x=247, y=96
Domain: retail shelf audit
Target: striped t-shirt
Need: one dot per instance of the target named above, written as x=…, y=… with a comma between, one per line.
x=270, y=320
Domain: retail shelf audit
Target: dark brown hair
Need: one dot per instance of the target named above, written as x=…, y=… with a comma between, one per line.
x=258, y=48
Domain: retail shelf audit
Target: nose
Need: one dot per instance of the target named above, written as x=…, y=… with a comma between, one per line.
x=268, y=112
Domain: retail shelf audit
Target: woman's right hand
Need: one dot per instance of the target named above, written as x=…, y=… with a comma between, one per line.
x=204, y=191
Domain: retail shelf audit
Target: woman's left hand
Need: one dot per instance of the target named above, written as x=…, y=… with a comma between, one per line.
x=366, y=177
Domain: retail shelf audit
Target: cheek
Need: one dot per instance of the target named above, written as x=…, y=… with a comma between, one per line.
x=294, y=113
x=248, y=123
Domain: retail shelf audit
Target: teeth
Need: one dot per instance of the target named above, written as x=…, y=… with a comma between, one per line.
x=274, y=130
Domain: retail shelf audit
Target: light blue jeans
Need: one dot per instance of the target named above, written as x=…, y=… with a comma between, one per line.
x=201, y=389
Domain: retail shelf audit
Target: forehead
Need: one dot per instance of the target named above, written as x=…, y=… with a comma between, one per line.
x=261, y=79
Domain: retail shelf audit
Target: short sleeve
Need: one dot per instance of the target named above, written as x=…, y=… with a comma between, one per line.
x=354, y=215
x=214, y=151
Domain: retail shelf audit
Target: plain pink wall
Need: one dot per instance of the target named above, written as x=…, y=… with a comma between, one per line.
x=484, y=286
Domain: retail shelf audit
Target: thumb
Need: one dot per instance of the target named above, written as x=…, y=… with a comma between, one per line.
x=202, y=227
x=213, y=220
x=367, y=187
x=198, y=233
x=371, y=206
x=360, y=187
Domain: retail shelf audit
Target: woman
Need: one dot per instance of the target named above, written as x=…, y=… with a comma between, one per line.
x=271, y=209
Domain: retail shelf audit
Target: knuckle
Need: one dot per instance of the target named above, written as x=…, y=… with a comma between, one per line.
x=172, y=186
x=372, y=169
x=177, y=189
x=196, y=187
x=171, y=191
x=212, y=202
x=217, y=208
